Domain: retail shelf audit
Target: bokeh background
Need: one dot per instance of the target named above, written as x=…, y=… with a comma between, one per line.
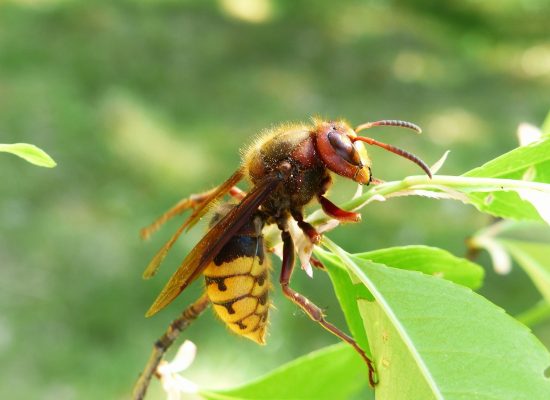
x=144, y=102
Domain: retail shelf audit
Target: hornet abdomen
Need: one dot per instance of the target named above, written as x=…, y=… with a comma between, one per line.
x=237, y=283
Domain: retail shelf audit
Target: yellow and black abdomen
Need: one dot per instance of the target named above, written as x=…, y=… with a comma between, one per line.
x=237, y=283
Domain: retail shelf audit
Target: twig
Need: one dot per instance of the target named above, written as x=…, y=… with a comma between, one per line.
x=165, y=341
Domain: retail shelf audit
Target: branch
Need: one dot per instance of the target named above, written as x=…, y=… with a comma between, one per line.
x=165, y=341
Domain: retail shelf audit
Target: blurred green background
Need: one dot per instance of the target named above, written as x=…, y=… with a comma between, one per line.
x=144, y=102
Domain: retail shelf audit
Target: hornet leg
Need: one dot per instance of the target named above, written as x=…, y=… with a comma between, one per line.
x=191, y=202
x=331, y=209
x=312, y=310
x=306, y=227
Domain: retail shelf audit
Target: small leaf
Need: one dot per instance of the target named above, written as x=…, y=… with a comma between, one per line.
x=533, y=160
x=335, y=372
x=30, y=153
x=439, y=163
x=432, y=339
x=513, y=164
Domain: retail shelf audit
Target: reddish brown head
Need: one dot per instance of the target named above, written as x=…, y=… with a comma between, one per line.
x=335, y=143
x=335, y=147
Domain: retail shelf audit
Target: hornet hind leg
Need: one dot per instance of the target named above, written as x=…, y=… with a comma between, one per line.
x=311, y=309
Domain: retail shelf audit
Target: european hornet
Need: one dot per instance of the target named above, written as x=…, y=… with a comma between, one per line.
x=287, y=167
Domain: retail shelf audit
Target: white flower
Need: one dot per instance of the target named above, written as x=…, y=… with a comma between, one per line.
x=173, y=383
x=304, y=247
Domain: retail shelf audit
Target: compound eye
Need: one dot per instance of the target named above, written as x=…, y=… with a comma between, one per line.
x=344, y=147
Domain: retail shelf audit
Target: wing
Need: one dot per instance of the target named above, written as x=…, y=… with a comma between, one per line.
x=218, y=193
x=211, y=244
x=215, y=195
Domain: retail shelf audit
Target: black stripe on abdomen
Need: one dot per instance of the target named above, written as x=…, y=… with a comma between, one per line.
x=241, y=246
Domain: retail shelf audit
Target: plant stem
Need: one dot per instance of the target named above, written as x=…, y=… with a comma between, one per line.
x=465, y=184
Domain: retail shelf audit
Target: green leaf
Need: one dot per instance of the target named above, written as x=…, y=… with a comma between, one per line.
x=531, y=162
x=432, y=339
x=529, y=231
x=347, y=292
x=511, y=198
x=335, y=372
x=431, y=261
x=536, y=314
x=400, y=376
x=30, y=153
x=514, y=164
x=534, y=259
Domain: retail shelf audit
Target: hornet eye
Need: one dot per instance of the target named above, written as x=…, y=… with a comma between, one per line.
x=344, y=147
